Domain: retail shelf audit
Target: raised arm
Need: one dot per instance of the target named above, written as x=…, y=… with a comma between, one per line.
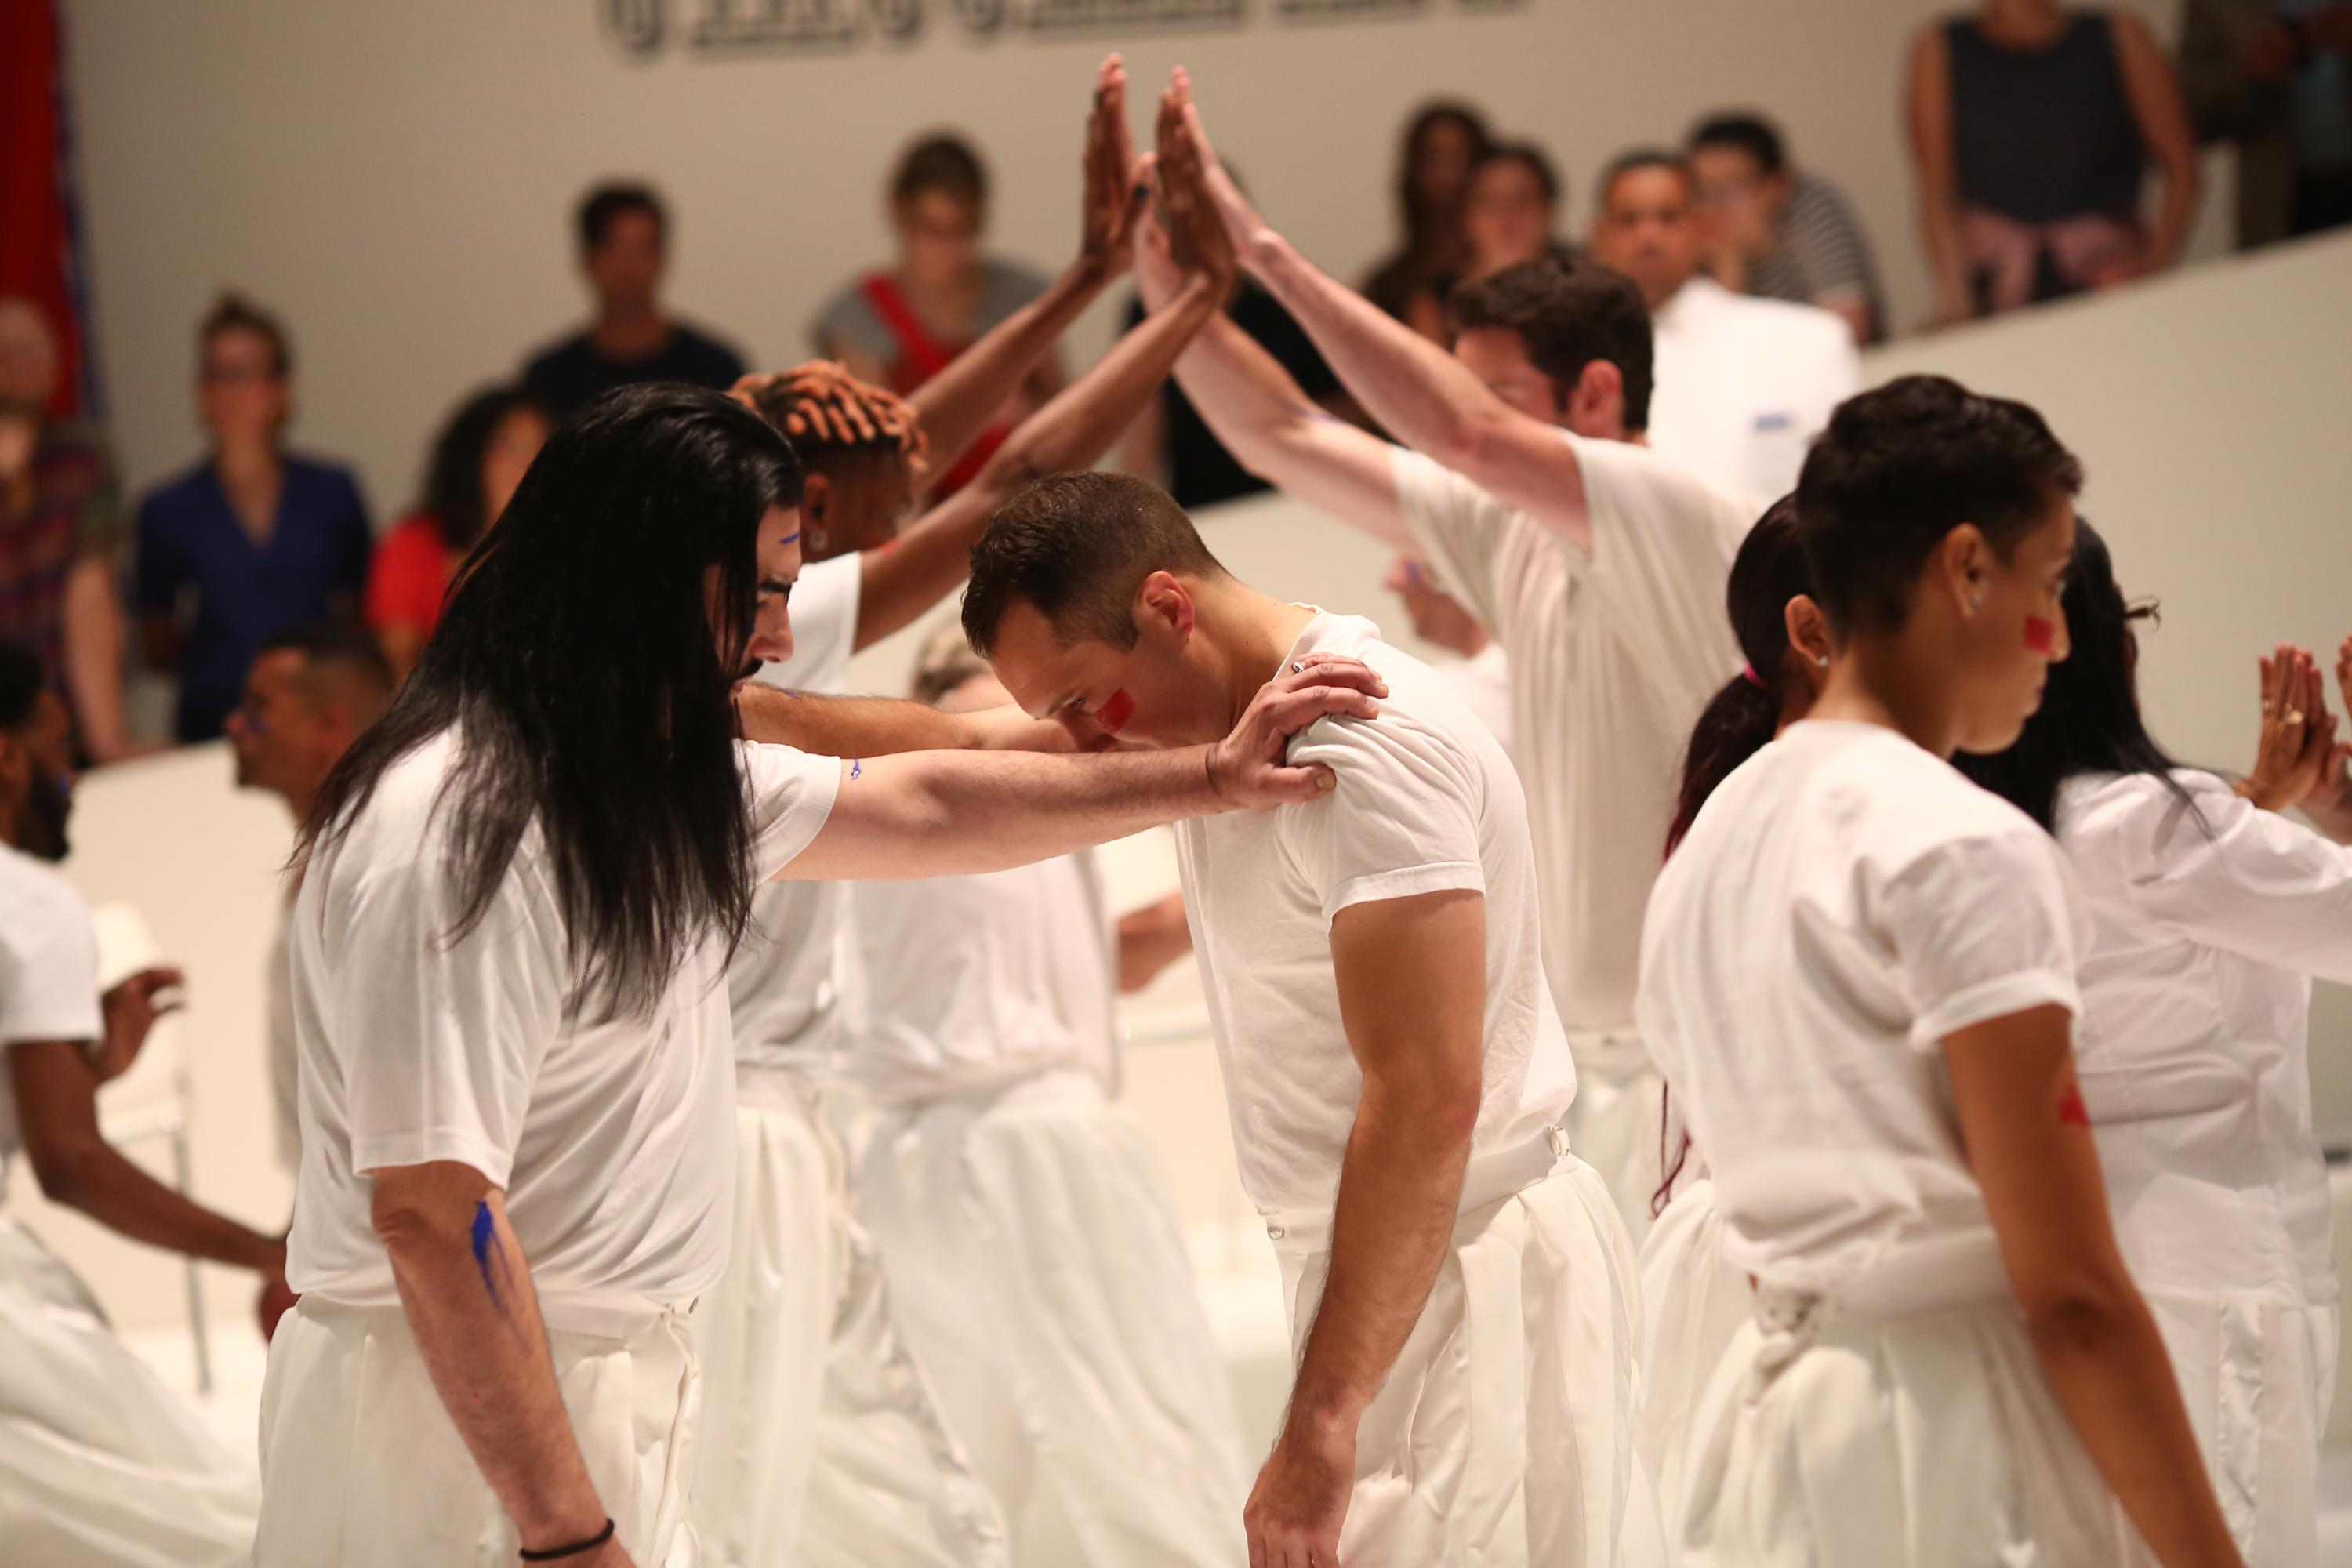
x=961, y=402
x=466, y=1289
x=2030, y=1145
x=1412, y=996
x=1409, y=385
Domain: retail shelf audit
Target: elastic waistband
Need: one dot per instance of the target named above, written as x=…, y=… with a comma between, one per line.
x=595, y=1314
x=1924, y=1277
x=1491, y=1177
x=1021, y=1091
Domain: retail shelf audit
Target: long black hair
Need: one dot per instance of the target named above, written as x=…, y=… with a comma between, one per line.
x=2089, y=720
x=589, y=690
x=1767, y=572
x=452, y=495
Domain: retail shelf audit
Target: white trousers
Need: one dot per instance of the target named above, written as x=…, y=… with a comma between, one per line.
x=1693, y=1304
x=1505, y=1434
x=1617, y=1121
x=101, y=1465
x=361, y=1467
x=821, y=1442
x=1931, y=1439
x=1040, y=1271
x=2258, y=1379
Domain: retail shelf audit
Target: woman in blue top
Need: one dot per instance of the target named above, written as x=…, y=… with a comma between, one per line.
x=250, y=541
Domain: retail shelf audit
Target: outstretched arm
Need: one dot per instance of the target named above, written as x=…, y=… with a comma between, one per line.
x=957, y=404
x=884, y=726
x=1411, y=387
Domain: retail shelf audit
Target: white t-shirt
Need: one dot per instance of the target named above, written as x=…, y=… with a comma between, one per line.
x=1743, y=385
x=1843, y=903
x=1425, y=801
x=795, y=985
x=48, y=973
x=2194, y=1034
x=278, y=985
x=1483, y=681
x=976, y=981
x=614, y=1142
x=1612, y=655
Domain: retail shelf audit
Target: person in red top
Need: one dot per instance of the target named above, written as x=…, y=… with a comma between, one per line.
x=898, y=327
x=478, y=462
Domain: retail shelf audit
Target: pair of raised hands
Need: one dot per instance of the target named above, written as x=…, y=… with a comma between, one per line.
x=1172, y=213
x=2298, y=761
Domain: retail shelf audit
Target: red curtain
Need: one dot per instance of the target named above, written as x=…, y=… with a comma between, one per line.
x=38, y=255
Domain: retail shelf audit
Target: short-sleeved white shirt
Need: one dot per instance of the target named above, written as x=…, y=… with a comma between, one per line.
x=1744, y=385
x=975, y=983
x=795, y=984
x=1612, y=655
x=1425, y=801
x=1843, y=903
x=1483, y=681
x=613, y=1141
x=48, y=973
x=2208, y=928
x=278, y=986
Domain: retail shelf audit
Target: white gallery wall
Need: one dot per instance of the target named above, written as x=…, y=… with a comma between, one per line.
x=397, y=179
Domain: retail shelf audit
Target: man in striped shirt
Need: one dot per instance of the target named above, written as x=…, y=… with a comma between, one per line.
x=1781, y=233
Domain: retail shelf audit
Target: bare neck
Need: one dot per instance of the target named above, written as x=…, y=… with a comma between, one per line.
x=629, y=332
x=1892, y=682
x=1249, y=634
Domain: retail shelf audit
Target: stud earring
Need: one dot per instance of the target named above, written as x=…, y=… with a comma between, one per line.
x=816, y=539
x=1975, y=601
x=1823, y=659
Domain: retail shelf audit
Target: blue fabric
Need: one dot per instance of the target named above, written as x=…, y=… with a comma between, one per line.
x=190, y=540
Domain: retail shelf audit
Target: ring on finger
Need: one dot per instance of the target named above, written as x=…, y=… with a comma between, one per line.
x=2293, y=716
x=1297, y=667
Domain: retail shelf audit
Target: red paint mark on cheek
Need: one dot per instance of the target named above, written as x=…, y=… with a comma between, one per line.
x=1116, y=713
x=2040, y=636
x=2072, y=1111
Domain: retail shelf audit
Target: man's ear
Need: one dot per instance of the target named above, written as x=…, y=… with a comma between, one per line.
x=1162, y=601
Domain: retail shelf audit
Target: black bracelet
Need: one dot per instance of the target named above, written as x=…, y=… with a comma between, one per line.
x=549, y=1554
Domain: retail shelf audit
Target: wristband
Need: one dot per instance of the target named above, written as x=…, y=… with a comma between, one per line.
x=578, y=1548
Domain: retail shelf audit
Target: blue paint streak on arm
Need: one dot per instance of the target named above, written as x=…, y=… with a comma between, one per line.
x=857, y=766
x=487, y=1250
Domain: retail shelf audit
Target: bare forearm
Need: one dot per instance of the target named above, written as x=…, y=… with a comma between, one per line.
x=94, y=631
x=117, y=1195
x=1400, y=1191
x=478, y=1329
x=1079, y=424
x=955, y=405
x=884, y=726
x=2180, y=185
x=2114, y=1380
x=1940, y=230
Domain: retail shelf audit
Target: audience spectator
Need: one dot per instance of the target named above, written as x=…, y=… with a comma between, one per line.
x=60, y=538
x=1742, y=383
x=478, y=461
x=899, y=328
x=249, y=541
x=624, y=248
x=1440, y=144
x=1509, y=211
x=1781, y=233
x=2274, y=78
x=2032, y=126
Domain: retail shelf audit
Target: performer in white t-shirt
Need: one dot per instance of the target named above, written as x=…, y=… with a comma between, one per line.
x=1460, y=1286
x=2210, y=915
x=1859, y=975
x=1031, y=1238
x=803, y=1321
x=1598, y=565
x=1482, y=675
x=516, y=1075
x=100, y=1463
x=1743, y=383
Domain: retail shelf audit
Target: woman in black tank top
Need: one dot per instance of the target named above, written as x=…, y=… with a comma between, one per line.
x=2033, y=126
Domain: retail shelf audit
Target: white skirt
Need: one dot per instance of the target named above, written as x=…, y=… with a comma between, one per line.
x=2258, y=1378
x=1932, y=1440
x=1505, y=1434
x=1617, y=1121
x=1040, y=1271
x=101, y=1466
x=822, y=1440
x=1693, y=1304
x=361, y=1467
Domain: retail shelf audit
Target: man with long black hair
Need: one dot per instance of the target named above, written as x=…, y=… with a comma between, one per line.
x=520, y=891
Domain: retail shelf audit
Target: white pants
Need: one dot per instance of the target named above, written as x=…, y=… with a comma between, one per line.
x=1618, y=1120
x=1503, y=1435
x=821, y=1442
x=2258, y=1379
x=101, y=1465
x=1693, y=1304
x=1040, y=1271
x=361, y=1467
x=1932, y=1439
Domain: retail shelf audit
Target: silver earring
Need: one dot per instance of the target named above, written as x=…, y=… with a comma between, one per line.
x=1823, y=659
x=1975, y=601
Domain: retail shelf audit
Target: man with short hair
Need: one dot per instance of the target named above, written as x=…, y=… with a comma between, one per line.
x=1456, y=1280
x=624, y=234
x=1742, y=383
x=309, y=693
x=1600, y=566
x=100, y=1463
x=1778, y=232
